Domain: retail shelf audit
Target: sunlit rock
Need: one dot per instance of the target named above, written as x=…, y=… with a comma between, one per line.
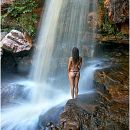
x=16, y=42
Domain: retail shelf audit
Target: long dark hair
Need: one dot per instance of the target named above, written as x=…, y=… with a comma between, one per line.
x=75, y=54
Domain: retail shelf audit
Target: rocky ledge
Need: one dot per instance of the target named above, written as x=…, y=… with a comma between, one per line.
x=94, y=110
x=112, y=38
x=116, y=78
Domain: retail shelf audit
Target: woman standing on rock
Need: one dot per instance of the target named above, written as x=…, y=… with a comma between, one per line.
x=74, y=67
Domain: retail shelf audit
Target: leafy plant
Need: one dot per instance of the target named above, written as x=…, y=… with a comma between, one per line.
x=107, y=28
x=22, y=14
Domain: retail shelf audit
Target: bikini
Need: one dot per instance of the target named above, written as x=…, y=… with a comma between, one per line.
x=75, y=72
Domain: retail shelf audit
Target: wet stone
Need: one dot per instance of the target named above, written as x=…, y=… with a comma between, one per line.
x=105, y=113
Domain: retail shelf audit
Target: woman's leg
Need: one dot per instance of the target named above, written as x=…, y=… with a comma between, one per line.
x=76, y=84
x=72, y=79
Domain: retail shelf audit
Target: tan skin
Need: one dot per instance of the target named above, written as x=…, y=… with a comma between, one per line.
x=74, y=79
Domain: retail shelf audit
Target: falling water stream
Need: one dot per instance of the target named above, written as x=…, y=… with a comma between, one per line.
x=63, y=26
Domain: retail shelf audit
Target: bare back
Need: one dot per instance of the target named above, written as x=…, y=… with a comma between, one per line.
x=73, y=66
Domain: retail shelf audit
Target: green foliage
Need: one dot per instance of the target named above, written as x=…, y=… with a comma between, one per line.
x=101, y=2
x=21, y=13
x=120, y=34
x=107, y=27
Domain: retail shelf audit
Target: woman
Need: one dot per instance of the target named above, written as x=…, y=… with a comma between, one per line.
x=74, y=67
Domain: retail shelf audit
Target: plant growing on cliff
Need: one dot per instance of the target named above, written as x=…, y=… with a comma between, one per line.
x=107, y=27
x=20, y=15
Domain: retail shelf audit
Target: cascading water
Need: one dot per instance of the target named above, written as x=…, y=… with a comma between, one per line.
x=63, y=27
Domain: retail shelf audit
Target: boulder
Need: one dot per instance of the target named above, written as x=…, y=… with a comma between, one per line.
x=15, y=42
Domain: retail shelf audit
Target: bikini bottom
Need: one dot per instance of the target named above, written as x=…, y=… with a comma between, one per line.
x=75, y=72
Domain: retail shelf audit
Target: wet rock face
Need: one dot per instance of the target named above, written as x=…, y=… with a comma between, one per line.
x=94, y=111
x=16, y=42
x=111, y=116
x=116, y=80
x=118, y=10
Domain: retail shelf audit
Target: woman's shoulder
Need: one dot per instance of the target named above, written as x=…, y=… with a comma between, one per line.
x=70, y=59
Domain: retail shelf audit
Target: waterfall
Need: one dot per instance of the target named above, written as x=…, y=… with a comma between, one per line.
x=46, y=40
x=63, y=27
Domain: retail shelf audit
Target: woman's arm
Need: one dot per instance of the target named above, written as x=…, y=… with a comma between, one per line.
x=69, y=65
x=80, y=64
